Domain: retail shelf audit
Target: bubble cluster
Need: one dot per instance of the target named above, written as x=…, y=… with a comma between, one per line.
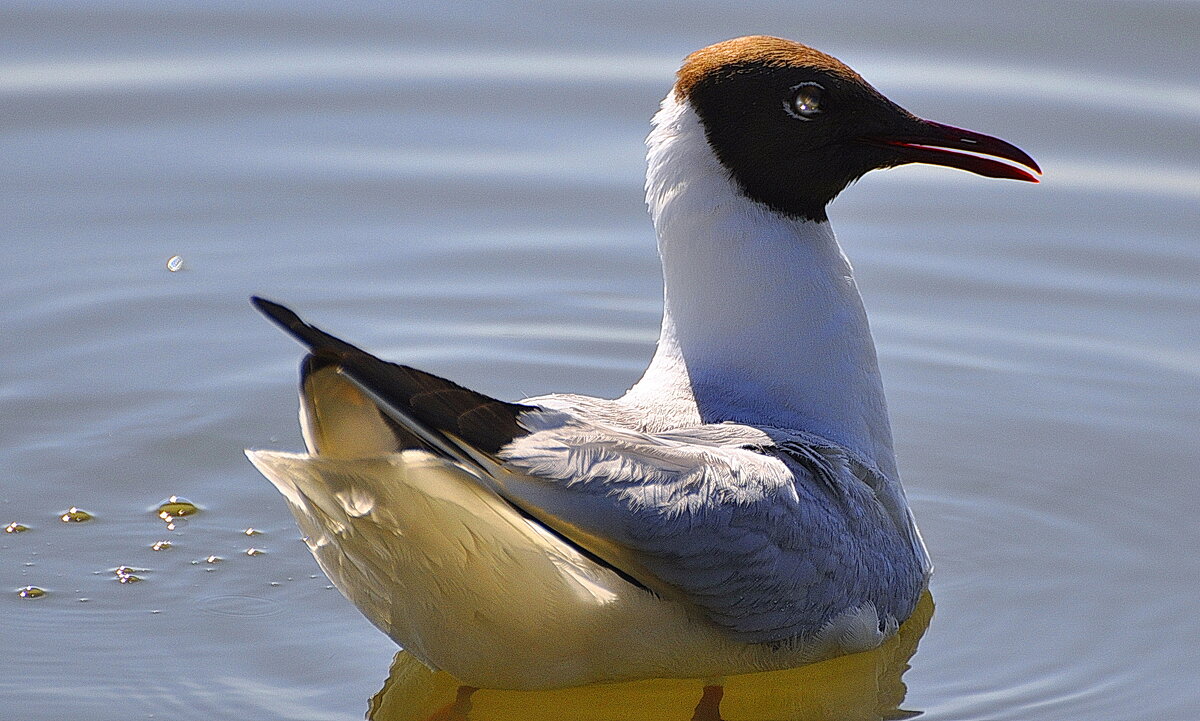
x=171, y=511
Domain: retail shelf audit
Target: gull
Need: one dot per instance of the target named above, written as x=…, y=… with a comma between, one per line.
x=737, y=510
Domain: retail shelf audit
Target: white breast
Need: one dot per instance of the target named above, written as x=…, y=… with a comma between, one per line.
x=763, y=321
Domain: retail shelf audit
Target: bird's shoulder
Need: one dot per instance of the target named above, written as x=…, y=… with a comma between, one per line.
x=570, y=425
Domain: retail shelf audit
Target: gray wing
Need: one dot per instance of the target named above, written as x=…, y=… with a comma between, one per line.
x=768, y=541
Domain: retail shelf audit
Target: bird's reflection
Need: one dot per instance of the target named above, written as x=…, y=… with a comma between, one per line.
x=851, y=688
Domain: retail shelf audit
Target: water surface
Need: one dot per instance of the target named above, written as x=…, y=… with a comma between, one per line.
x=461, y=189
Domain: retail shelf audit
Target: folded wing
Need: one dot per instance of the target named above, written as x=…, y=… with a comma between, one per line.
x=769, y=545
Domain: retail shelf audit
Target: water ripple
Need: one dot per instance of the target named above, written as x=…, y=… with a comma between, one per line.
x=1027, y=83
x=1085, y=175
x=254, y=69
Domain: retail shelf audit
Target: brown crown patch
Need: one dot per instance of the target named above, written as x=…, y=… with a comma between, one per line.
x=753, y=51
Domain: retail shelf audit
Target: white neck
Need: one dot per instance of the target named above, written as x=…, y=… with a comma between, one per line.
x=763, y=323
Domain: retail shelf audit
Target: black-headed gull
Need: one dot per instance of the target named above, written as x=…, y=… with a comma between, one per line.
x=738, y=509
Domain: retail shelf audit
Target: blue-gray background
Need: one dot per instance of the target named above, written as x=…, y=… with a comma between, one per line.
x=461, y=189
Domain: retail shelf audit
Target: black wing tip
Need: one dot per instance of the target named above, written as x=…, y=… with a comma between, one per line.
x=422, y=399
x=312, y=337
x=279, y=314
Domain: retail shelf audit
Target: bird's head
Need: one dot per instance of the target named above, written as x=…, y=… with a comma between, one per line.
x=794, y=126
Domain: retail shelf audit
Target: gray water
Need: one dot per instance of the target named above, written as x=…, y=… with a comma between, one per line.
x=460, y=189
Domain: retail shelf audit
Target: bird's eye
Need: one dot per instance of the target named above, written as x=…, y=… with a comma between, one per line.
x=805, y=103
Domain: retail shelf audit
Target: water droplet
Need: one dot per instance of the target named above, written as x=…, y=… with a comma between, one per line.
x=175, y=263
x=75, y=515
x=174, y=508
x=126, y=574
x=254, y=552
x=15, y=527
x=178, y=506
x=160, y=546
x=31, y=592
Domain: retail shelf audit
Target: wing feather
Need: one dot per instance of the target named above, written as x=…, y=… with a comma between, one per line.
x=762, y=541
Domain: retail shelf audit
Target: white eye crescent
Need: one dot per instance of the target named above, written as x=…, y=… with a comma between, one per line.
x=805, y=102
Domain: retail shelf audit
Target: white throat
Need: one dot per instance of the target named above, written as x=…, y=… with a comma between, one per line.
x=763, y=322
